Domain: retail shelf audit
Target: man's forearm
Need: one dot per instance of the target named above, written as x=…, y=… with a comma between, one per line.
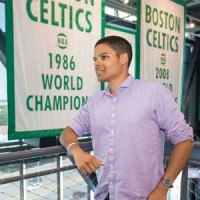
x=68, y=137
x=178, y=159
x=85, y=162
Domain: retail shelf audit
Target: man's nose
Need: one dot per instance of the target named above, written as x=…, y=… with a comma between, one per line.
x=97, y=63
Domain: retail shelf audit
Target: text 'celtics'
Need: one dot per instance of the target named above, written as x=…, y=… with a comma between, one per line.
x=58, y=13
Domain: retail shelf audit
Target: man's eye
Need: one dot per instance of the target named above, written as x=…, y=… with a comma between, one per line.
x=103, y=57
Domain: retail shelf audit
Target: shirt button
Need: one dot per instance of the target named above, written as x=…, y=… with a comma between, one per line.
x=114, y=98
x=113, y=114
x=112, y=131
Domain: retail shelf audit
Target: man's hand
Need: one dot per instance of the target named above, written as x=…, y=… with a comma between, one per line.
x=159, y=193
x=85, y=162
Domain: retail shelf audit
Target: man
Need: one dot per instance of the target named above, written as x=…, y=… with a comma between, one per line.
x=128, y=123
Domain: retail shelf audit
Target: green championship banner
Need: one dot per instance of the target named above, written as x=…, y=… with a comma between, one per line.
x=129, y=35
x=161, y=43
x=49, y=62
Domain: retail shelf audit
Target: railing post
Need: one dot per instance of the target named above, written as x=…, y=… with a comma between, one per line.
x=88, y=193
x=59, y=179
x=23, y=195
x=184, y=183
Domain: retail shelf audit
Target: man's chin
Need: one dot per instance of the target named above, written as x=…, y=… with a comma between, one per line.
x=100, y=79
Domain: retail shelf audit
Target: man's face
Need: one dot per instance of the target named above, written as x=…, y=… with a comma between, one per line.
x=107, y=64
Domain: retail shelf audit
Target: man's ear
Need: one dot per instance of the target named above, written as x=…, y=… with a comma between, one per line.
x=124, y=58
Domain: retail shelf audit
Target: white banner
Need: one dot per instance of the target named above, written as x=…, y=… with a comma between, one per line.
x=53, y=45
x=161, y=43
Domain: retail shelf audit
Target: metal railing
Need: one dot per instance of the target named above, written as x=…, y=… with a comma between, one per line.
x=48, y=173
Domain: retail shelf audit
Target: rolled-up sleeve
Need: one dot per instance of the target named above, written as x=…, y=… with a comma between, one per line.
x=170, y=118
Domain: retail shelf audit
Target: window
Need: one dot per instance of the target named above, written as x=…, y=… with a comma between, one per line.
x=3, y=82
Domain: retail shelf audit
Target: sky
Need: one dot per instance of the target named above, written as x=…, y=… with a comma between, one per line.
x=3, y=92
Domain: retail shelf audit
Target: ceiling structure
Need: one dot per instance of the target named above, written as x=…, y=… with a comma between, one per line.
x=192, y=13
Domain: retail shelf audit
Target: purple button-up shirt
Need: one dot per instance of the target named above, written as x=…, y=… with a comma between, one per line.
x=128, y=134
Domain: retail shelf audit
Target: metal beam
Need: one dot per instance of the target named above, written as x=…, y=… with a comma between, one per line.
x=120, y=22
x=194, y=3
x=121, y=6
x=193, y=18
x=194, y=30
x=196, y=35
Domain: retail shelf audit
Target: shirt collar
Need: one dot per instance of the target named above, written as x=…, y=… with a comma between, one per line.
x=127, y=83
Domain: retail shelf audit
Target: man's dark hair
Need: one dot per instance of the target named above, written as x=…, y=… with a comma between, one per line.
x=119, y=44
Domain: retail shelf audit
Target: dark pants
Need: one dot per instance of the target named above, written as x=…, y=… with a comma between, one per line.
x=107, y=198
